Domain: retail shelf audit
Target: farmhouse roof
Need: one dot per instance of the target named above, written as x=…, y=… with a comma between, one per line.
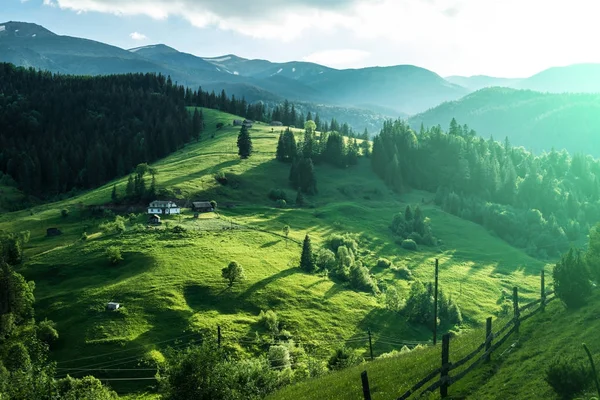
x=202, y=204
x=163, y=204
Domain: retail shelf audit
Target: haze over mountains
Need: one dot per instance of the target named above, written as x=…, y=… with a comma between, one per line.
x=361, y=97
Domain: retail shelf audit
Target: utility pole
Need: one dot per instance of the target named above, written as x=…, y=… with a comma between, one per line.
x=435, y=303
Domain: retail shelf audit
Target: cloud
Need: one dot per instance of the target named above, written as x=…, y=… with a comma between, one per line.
x=138, y=36
x=451, y=12
x=338, y=57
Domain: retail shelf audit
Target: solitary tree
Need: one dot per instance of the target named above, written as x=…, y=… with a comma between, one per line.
x=572, y=280
x=233, y=273
x=114, y=196
x=244, y=143
x=307, y=260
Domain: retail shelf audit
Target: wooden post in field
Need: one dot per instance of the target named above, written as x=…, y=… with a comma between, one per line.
x=435, y=303
x=219, y=335
x=488, y=336
x=517, y=313
x=543, y=292
x=445, y=365
x=365, y=385
x=370, y=345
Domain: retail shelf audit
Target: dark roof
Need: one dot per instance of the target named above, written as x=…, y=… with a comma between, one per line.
x=162, y=204
x=202, y=204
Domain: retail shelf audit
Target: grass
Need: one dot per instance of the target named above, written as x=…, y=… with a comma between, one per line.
x=516, y=371
x=170, y=285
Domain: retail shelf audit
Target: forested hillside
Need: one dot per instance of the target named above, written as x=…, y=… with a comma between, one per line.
x=537, y=121
x=538, y=203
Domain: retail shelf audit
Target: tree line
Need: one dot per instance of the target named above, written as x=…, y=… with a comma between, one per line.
x=540, y=203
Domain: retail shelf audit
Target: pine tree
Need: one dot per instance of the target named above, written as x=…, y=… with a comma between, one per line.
x=307, y=261
x=280, y=154
x=114, y=196
x=130, y=188
x=197, y=124
x=244, y=143
x=299, y=198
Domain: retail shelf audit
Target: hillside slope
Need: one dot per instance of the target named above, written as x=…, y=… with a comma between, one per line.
x=170, y=284
x=537, y=121
x=516, y=371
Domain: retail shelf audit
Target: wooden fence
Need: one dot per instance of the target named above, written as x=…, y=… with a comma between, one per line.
x=480, y=354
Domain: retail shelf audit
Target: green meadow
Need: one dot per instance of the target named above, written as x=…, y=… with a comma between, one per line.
x=170, y=285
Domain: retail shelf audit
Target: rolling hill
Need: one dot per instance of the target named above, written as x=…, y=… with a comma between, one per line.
x=537, y=121
x=170, y=283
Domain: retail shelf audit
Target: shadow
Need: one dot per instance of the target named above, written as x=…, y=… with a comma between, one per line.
x=224, y=301
x=201, y=173
x=270, y=244
x=267, y=281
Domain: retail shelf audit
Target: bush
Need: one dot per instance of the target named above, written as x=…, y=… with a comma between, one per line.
x=403, y=273
x=281, y=203
x=393, y=301
x=409, y=244
x=213, y=204
x=343, y=357
x=383, y=263
x=64, y=213
x=568, y=377
x=326, y=259
x=572, y=280
x=361, y=279
x=277, y=194
x=17, y=358
x=179, y=229
x=220, y=125
x=113, y=254
x=269, y=320
x=279, y=357
x=221, y=178
x=84, y=236
x=46, y=332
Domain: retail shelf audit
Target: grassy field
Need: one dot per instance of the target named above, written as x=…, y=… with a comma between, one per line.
x=170, y=284
x=516, y=371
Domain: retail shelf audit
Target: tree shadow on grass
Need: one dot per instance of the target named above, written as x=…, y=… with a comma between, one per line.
x=260, y=285
x=270, y=244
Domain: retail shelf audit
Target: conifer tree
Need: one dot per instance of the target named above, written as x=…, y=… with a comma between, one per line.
x=244, y=143
x=130, y=188
x=114, y=196
x=307, y=261
x=280, y=155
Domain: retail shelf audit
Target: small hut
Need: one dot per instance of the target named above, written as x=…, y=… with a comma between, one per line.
x=202, y=206
x=112, y=306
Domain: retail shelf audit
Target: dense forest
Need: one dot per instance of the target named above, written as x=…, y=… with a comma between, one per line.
x=61, y=133
x=538, y=203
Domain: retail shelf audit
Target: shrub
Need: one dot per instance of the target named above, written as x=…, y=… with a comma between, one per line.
x=46, y=332
x=277, y=194
x=393, y=301
x=221, y=178
x=213, y=204
x=113, y=254
x=383, y=263
x=269, y=320
x=281, y=203
x=572, y=280
x=414, y=236
x=17, y=358
x=84, y=236
x=233, y=273
x=325, y=259
x=361, y=279
x=403, y=273
x=220, y=125
x=179, y=229
x=567, y=377
x=279, y=357
x=409, y=244
x=343, y=357
x=64, y=213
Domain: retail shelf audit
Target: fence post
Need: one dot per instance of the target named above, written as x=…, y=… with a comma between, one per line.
x=543, y=292
x=516, y=309
x=370, y=345
x=435, y=303
x=219, y=335
x=365, y=385
x=445, y=365
x=488, y=337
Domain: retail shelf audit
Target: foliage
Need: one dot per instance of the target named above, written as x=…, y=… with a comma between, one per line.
x=414, y=226
x=279, y=357
x=326, y=260
x=84, y=388
x=383, y=263
x=269, y=320
x=409, y=244
x=277, y=194
x=393, y=301
x=571, y=279
x=302, y=175
x=117, y=226
x=420, y=304
x=343, y=357
x=286, y=146
x=403, y=272
x=361, y=279
x=592, y=256
x=307, y=258
x=221, y=177
x=46, y=332
x=568, y=377
x=113, y=253
x=244, y=143
x=233, y=273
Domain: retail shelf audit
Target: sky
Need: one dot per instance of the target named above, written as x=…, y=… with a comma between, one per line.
x=505, y=38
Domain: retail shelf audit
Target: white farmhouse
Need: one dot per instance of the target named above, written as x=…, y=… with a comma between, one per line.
x=163, y=207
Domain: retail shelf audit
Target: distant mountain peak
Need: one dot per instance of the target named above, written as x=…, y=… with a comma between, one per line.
x=24, y=29
x=156, y=48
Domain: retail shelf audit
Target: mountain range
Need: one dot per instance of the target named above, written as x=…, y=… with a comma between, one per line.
x=352, y=95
